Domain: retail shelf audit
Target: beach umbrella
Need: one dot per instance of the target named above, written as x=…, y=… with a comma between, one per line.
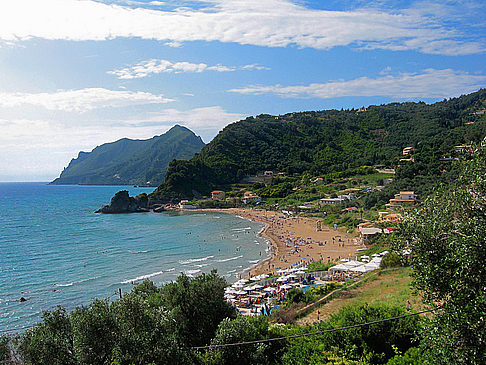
x=286, y=287
x=282, y=279
x=248, y=288
x=291, y=276
x=264, y=276
x=270, y=289
x=257, y=287
x=229, y=296
x=360, y=268
x=238, y=285
x=240, y=292
x=243, y=280
x=300, y=272
x=340, y=267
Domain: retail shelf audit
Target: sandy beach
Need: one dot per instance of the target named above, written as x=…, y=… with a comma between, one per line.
x=297, y=240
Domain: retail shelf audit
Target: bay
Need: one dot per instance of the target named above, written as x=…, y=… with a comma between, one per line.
x=55, y=251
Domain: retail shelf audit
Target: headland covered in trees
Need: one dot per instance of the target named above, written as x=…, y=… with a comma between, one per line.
x=131, y=162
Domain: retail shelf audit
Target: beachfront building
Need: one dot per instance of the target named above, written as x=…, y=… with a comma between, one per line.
x=218, y=195
x=367, y=233
x=251, y=197
x=184, y=204
x=404, y=198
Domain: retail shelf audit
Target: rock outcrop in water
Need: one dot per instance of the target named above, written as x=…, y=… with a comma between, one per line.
x=124, y=203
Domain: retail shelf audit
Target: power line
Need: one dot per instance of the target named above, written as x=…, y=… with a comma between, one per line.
x=309, y=334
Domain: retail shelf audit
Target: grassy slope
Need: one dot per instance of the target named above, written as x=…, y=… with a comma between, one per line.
x=390, y=287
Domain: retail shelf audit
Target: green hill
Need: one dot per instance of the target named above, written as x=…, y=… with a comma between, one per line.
x=321, y=142
x=131, y=162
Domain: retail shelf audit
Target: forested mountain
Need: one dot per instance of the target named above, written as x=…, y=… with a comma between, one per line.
x=128, y=161
x=320, y=142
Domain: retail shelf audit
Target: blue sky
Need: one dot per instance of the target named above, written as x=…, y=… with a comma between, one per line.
x=78, y=73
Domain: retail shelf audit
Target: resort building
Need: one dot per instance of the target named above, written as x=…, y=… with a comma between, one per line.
x=402, y=199
x=218, y=195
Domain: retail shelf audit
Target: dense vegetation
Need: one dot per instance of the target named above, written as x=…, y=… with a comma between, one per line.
x=170, y=324
x=129, y=162
x=447, y=238
x=326, y=142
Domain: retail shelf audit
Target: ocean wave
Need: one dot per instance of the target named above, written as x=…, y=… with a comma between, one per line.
x=230, y=259
x=190, y=261
x=171, y=269
x=143, y=277
x=201, y=265
x=241, y=229
x=64, y=285
x=191, y=272
x=253, y=261
x=143, y=251
x=231, y=271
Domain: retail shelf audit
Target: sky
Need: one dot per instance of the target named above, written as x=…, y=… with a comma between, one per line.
x=75, y=74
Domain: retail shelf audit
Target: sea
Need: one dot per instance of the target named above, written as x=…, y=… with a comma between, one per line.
x=54, y=250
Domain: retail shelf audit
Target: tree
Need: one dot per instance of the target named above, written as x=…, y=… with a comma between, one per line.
x=94, y=330
x=49, y=342
x=197, y=306
x=447, y=238
x=238, y=330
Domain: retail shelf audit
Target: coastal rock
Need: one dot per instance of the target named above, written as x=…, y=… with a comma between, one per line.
x=123, y=203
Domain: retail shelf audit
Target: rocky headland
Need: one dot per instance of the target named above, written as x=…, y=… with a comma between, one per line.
x=122, y=202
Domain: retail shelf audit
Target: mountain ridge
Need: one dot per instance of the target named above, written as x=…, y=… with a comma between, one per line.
x=320, y=142
x=131, y=161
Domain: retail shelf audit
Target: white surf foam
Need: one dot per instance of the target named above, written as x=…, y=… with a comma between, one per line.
x=143, y=277
x=190, y=261
x=230, y=259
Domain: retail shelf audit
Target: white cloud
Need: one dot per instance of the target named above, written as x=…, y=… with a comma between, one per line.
x=430, y=83
x=81, y=100
x=270, y=23
x=211, y=118
x=39, y=149
x=156, y=66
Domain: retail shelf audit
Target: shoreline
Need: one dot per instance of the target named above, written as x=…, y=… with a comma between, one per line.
x=294, y=241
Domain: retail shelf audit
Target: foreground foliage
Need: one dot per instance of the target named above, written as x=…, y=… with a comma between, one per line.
x=447, y=238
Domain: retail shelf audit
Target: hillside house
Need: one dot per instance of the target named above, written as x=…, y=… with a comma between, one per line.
x=251, y=197
x=218, y=195
x=407, y=151
x=331, y=201
x=390, y=218
x=404, y=198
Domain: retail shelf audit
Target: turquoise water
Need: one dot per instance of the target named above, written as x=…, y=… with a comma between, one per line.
x=55, y=251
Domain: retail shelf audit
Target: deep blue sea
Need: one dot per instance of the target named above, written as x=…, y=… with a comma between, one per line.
x=55, y=251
